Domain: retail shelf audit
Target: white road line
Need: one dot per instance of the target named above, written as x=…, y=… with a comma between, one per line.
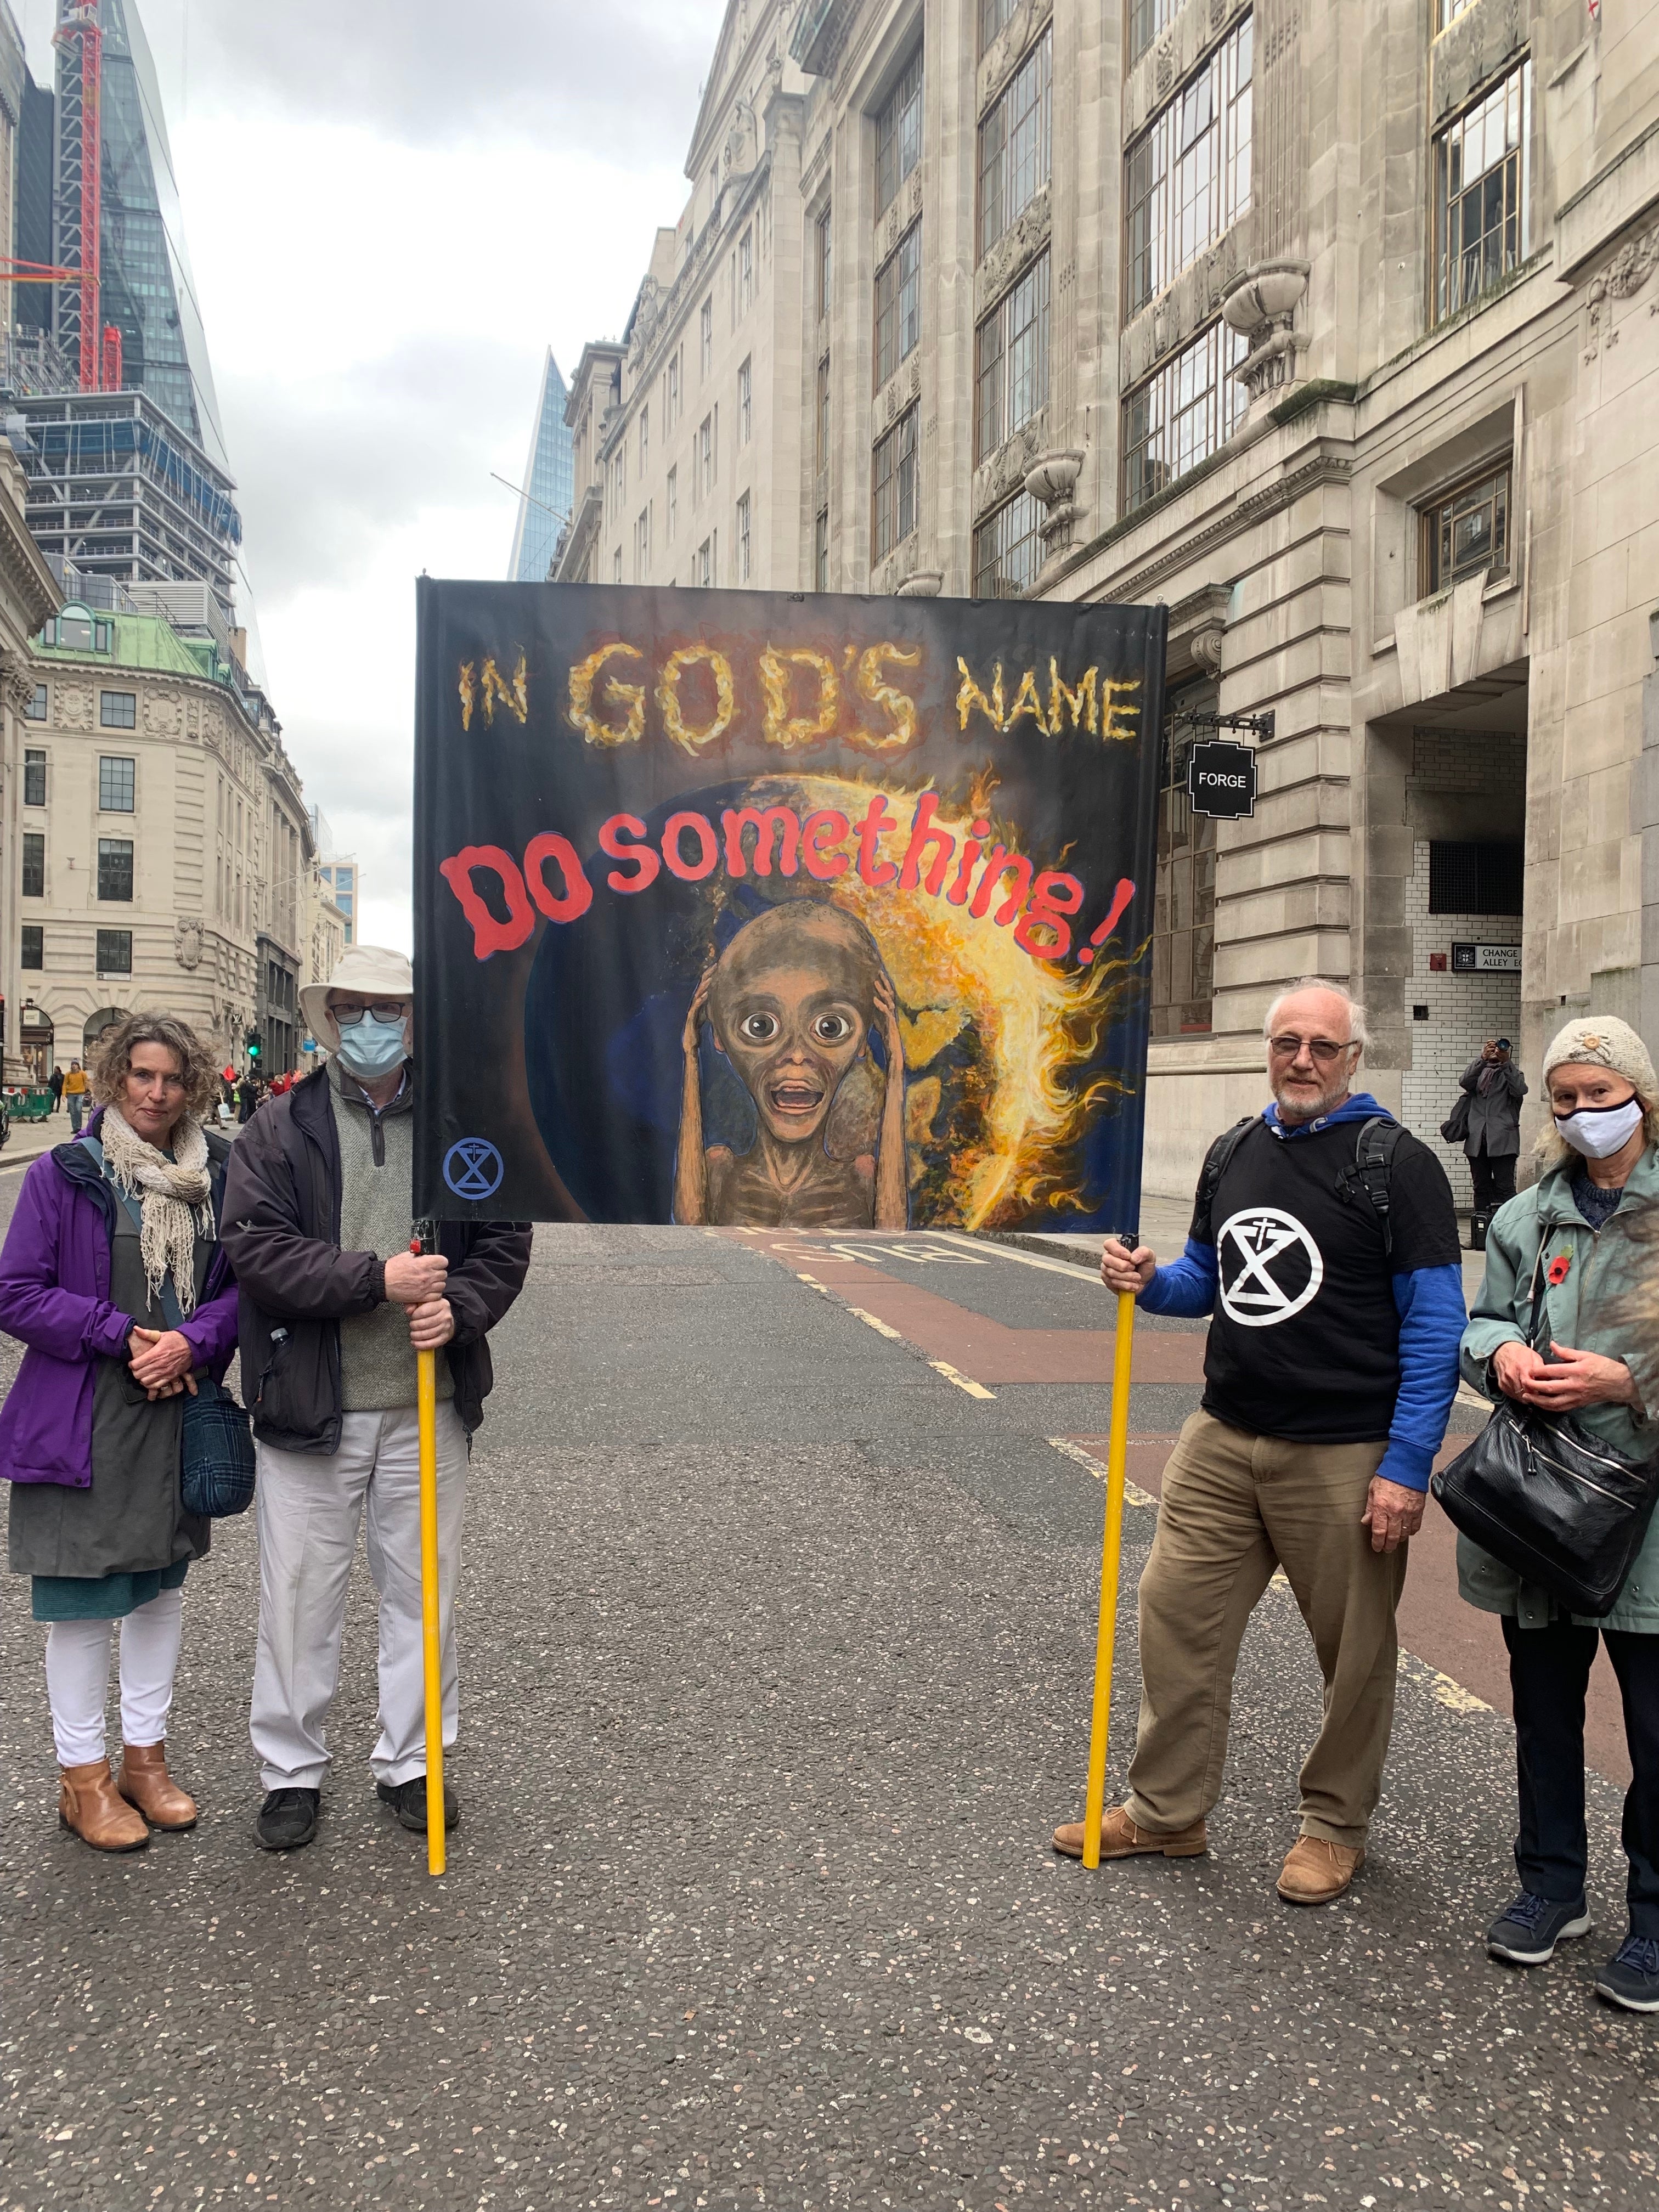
x=1133, y=1493
x=1028, y=1259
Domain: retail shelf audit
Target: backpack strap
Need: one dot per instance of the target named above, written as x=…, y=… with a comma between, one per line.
x=172, y=1313
x=1217, y=1161
x=1372, y=1169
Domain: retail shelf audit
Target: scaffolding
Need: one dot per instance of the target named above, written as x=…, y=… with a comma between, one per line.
x=77, y=213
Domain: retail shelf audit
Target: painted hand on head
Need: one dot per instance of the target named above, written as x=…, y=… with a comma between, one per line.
x=887, y=1022
x=694, y=1019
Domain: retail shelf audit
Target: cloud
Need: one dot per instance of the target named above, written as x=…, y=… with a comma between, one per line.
x=610, y=80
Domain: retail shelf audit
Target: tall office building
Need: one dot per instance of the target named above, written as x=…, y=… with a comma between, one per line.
x=549, y=478
x=146, y=289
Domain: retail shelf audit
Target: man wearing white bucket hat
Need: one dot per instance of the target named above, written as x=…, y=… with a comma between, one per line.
x=334, y=1308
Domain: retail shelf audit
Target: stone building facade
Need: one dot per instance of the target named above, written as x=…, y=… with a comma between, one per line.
x=165, y=856
x=1337, y=330
x=29, y=597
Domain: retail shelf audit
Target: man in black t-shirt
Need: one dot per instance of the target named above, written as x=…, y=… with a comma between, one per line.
x=1326, y=1250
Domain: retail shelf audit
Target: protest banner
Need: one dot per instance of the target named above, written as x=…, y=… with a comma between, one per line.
x=741, y=908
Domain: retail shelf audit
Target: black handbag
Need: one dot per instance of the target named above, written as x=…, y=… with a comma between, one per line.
x=1455, y=1129
x=1552, y=1500
x=215, y=1458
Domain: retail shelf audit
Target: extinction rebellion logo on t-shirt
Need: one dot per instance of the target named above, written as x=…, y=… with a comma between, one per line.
x=1270, y=1266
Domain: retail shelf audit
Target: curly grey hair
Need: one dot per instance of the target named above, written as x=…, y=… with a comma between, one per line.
x=111, y=1056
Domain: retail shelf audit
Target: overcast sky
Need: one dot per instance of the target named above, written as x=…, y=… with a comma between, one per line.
x=393, y=208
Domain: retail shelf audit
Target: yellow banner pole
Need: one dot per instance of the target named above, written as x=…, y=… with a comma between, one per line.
x=426, y=1400
x=1106, y=1633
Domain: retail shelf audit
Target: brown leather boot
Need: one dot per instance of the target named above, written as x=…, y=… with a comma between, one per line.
x=1120, y=1838
x=146, y=1783
x=1314, y=1871
x=90, y=1807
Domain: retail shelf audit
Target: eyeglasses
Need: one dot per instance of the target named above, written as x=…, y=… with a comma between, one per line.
x=1319, y=1049
x=382, y=1009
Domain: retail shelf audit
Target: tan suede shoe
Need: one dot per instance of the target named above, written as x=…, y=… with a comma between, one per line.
x=1314, y=1871
x=90, y=1807
x=146, y=1783
x=1120, y=1838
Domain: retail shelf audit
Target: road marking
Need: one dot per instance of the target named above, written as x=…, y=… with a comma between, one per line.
x=944, y=1367
x=870, y=1321
x=1034, y=1260
x=1133, y=1493
x=1450, y=1694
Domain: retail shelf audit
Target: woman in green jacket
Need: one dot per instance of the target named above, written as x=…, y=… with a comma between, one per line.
x=1585, y=1241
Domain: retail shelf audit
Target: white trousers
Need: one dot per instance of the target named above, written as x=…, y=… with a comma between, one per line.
x=309, y=1507
x=77, y=1677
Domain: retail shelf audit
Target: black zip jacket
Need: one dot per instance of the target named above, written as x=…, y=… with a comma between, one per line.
x=281, y=1232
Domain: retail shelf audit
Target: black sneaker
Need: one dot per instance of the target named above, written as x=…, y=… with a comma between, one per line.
x=1631, y=1978
x=286, y=1819
x=1530, y=1929
x=408, y=1800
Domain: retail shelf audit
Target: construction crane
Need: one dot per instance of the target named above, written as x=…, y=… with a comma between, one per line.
x=81, y=139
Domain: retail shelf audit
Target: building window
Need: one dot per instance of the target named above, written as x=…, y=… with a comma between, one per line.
x=821, y=551
x=115, y=868
x=115, y=785
x=34, y=777
x=1012, y=380
x=898, y=133
x=672, y=502
x=33, y=952
x=1185, y=412
x=1187, y=178
x=898, y=305
x=992, y=15
x=822, y=440
x=895, y=472
x=1451, y=10
x=670, y=396
x=1480, y=217
x=617, y=565
x=1014, y=143
x=1007, y=549
x=706, y=336
x=745, y=403
x=1474, y=879
x=115, y=952
x=1466, y=533
x=745, y=291
x=743, y=539
x=1146, y=19
x=34, y=864
x=825, y=264
x=645, y=439
x=1183, y=908
x=707, y=457
x=118, y=710
x=703, y=569
x=36, y=709
x=642, y=545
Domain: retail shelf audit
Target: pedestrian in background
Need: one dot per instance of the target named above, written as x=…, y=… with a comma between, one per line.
x=55, y=1084
x=1494, y=1087
x=74, y=1089
x=1584, y=1240
x=1324, y=1243
x=246, y=1099
x=335, y=1307
x=90, y=1432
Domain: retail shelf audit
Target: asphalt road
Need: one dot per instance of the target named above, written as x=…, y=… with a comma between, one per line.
x=777, y=1649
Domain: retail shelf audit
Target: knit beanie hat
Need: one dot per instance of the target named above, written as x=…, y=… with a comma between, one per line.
x=1603, y=1041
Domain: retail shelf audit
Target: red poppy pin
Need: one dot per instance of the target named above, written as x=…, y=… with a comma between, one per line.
x=1560, y=1268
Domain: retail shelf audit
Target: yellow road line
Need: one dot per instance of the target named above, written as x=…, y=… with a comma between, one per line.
x=1133, y=1493
x=962, y=1382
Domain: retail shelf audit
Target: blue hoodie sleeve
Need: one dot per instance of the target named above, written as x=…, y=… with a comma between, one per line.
x=1430, y=1303
x=1187, y=1288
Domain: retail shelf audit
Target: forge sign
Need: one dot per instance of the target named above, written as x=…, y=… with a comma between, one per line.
x=754, y=910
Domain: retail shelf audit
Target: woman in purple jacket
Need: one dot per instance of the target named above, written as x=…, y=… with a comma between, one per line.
x=90, y=1433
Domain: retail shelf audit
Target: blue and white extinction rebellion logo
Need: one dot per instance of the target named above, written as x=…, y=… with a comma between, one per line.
x=473, y=1168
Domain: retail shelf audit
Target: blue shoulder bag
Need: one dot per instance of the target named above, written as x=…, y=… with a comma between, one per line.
x=215, y=1472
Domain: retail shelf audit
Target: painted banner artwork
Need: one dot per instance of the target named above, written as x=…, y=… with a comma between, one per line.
x=742, y=910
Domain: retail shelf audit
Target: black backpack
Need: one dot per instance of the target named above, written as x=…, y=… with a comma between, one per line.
x=1370, y=1172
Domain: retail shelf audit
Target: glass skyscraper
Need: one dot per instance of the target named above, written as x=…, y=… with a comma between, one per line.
x=549, y=480
x=147, y=289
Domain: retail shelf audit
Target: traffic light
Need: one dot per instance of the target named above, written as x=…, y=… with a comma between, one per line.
x=254, y=1047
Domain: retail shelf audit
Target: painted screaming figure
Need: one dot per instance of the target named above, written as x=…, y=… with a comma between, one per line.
x=790, y=1003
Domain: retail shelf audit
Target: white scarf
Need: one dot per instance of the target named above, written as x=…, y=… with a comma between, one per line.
x=176, y=1195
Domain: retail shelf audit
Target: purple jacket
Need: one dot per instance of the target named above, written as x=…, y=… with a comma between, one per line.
x=54, y=1297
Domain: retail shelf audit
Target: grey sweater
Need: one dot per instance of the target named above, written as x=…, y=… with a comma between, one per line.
x=377, y=1361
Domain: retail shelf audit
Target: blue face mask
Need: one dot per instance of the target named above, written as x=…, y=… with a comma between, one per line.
x=370, y=1050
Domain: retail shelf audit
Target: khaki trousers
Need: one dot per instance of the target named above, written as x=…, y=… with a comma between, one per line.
x=1234, y=1507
